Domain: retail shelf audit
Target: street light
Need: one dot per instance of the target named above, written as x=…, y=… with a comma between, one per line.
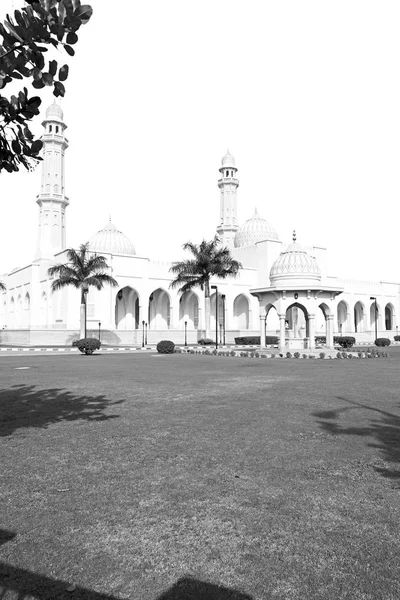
x=185, y=334
x=99, y=329
x=214, y=287
x=376, y=314
x=85, y=289
x=143, y=334
x=223, y=315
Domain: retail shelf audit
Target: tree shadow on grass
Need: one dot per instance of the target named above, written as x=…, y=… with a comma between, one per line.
x=22, y=584
x=385, y=432
x=25, y=406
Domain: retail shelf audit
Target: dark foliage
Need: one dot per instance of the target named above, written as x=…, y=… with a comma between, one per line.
x=397, y=338
x=344, y=341
x=382, y=342
x=25, y=37
x=87, y=345
x=254, y=340
x=165, y=347
x=205, y=341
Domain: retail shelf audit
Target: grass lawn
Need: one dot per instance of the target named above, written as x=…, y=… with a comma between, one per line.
x=163, y=477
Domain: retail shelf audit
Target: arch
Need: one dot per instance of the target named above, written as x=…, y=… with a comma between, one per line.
x=297, y=320
x=359, y=317
x=189, y=309
x=44, y=310
x=26, y=310
x=389, y=316
x=374, y=314
x=272, y=319
x=159, y=309
x=127, y=308
x=18, y=312
x=241, y=311
x=341, y=315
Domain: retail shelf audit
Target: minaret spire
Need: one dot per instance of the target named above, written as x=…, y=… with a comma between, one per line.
x=52, y=200
x=228, y=184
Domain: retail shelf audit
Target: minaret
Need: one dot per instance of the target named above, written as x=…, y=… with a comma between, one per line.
x=52, y=200
x=228, y=184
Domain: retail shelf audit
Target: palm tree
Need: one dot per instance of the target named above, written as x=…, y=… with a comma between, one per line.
x=2, y=287
x=209, y=260
x=83, y=270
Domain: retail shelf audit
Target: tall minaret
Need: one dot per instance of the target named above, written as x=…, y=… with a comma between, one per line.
x=52, y=200
x=228, y=184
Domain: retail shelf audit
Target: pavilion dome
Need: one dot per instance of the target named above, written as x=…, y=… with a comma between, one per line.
x=228, y=160
x=111, y=240
x=294, y=266
x=256, y=229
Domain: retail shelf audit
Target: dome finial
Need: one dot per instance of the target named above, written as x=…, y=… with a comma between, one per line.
x=294, y=235
x=109, y=218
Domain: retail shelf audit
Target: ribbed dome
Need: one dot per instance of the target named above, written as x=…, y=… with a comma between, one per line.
x=54, y=110
x=228, y=160
x=254, y=230
x=294, y=266
x=110, y=239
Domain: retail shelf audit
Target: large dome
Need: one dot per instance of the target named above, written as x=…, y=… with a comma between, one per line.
x=294, y=266
x=254, y=230
x=110, y=239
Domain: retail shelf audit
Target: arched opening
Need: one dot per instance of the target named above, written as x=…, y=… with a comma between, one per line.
x=241, y=312
x=159, y=310
x=389, y=314
x=44, y=310
x=297, y=321
x=189, y=310
x=359, y=313
x=127, y=309
x=26, y=310
x=342, y=322
x=212, y=315
x=12, y=312
x=374, y=313
x=271, y=320
x=18, y=312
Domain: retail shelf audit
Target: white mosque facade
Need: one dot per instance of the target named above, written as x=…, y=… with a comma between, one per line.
x=282, y=289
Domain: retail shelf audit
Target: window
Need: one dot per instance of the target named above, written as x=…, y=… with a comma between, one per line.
x=56, y=128
x=226, y=173
x=50, y=128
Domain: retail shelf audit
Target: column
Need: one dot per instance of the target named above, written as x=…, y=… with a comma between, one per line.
x=282, y=332
x=329, y=332
x=311, y=329
x=262, y=331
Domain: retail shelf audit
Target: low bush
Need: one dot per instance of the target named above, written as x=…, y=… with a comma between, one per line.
x=272, y=355
x=322, y=354
x=345, y=341
x=320, y=339
x=312, y=356
x=344, y=354
x=232, y=353
x=339, y=355
x=263, y=355
x=350, y=356
x=87, y=345
x=205, y=341
x=397, y=338
x=254, y=340
x=360, y=354
x=165, y=347
x=288, y=355
x=304, y=355
x=207, y=352
x=382, y=342
x=178, y=350
x=296, y=355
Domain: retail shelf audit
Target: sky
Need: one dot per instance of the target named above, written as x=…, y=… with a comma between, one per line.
x=306, y=96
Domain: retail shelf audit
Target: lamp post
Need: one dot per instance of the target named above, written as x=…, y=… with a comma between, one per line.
x=143, y=334
x=85, y=289
x=223, y=316
x=376, y=316
x=185, y=333
x=214, y=287
x=99, y=329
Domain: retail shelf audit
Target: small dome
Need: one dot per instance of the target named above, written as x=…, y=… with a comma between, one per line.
x=54, y=110
x=254, y=230
x=294, y=266
x=110, y=239
x=228, y=160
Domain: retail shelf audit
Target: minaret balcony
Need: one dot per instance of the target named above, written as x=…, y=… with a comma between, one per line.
x=225, y=180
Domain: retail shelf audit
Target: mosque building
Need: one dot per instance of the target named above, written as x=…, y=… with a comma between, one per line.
x=282, y=289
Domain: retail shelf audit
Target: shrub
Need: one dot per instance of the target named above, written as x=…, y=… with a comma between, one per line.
x=322, y=354
x=288, y=355
x=256, y=355
x=232, y=353
x=350, y=356
x=177, y=350
x=382, y=342
x=87, y=345
x=205, y=341
x=360, y=354
x=273, y=355
x=339, y=355
x=207, y=351
x=214, y=352
x=263, y=355
x=280, y=355
x=312, y=356
x=296, y=354
x=345, y=341
x=344, y=354
x=320, y=339
x=304, y=355
x=165, y=347
x=397, y=338
x=254, y=340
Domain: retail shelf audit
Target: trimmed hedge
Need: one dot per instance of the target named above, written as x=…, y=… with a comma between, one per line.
x=165, y=347
x=345, y=341
x=397, y=338
x=382, y=342
x=254, y=340
x=205, y=341
x=87, y=345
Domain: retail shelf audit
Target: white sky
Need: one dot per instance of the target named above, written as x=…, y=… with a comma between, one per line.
x=306, y=96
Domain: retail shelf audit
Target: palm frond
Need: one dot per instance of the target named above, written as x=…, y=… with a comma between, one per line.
x=62, y=282
x=2, y=287
x=98, y=280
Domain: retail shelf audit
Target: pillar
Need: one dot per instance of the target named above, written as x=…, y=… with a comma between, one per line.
x=329, y=332
x=311, y=329
x=262, y=331
x=282, y=332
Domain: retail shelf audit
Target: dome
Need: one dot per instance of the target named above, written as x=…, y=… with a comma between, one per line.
x=294, y=266
x=54, y=110
x=109, y=239
x=254, y=230
x=228, y=160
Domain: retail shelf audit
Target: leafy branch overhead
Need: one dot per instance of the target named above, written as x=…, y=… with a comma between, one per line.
x=40, y=26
